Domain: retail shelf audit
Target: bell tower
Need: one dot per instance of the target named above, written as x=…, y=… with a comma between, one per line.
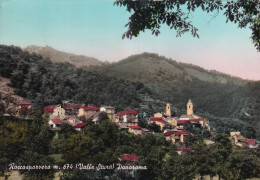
x=168, y=109
x=189, y=108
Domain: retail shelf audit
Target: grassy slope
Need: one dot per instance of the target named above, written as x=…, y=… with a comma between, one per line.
x=59, y=56
x=151, y=68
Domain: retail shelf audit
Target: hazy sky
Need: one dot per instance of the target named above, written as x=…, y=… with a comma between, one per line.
x=95, y=27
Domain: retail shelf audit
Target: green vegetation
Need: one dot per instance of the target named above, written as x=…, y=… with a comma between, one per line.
x=57, y=158
x=26, y=142
x=229, y=103
x=146, y=81
x=176, y=14
x=104, y=143
x=152, y=68
x=45, y=83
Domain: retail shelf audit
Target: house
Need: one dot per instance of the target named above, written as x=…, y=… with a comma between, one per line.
x=197, y=121
x=179, y=135
x=72, y=109
x=110, y=110
x=123, y=127
x=241, y=141
x=129, y=157
x=55, y=123
x=251, y=143
x=72, y=120
x=55, y=111
x=238, y=139
x=136, y=130
x=80, y=126
x=160, y=122
x=158, y=115
x=169, y=135
x=172, y=121
x=88, y=111
x=128, y=117
x=24, y=108
x=49, y=109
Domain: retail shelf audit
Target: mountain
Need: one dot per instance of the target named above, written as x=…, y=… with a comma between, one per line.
x=152, y=68
x=57, y=56
x=229, y=103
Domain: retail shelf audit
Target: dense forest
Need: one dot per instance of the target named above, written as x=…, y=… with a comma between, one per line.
x=228, y=107
x=229, y=103
x=24, y=141
x=45, y=83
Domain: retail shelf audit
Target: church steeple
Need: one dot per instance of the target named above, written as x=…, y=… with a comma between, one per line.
x=168, y=109
x=189, y=108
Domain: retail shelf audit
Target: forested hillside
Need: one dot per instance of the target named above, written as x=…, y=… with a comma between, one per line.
x=231, y=104
x=152, y=68
x=44, y=83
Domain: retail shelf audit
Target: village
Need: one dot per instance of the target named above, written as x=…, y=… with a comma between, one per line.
x=172, y=128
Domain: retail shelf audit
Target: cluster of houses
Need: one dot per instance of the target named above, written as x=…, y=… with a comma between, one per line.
x=173, y=128
x=76, y=115
x=241, y=141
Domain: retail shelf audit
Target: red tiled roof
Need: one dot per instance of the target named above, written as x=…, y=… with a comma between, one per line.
x=168, y=133
x=198, y=119
x=56, y=121
x=49, y=108
x=129, y=157
x=127, y=112
x=184, y=149
x=91, y=108
x=24, y=102
x=155, y=118
x=135, y=127
x=183, y=121
x=158, y=119
x=250, y=141
x=181, y=133
x=80, y=125
x=163, y=121
x=74, y=106
x=108, y=107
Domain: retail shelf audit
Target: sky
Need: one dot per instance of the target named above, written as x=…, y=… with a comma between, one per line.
x=95, y=27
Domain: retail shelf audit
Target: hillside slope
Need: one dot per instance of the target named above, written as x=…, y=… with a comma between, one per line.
x=60, y=57
x=152, y=68
x=230, y=106
x=8, y=98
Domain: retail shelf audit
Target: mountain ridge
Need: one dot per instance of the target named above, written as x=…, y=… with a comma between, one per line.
x=57, y=56
x=228, y=107
x=152, y=68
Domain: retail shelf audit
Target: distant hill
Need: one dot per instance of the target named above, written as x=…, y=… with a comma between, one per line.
x=152, y=68
x=57, y=56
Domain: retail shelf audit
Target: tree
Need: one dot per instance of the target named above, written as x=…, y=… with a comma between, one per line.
x=154, y=127
x=40, y=135
x=77, y=148
x=142, y=119
x=32, y=158
x=150, y=14
x=243, y=164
